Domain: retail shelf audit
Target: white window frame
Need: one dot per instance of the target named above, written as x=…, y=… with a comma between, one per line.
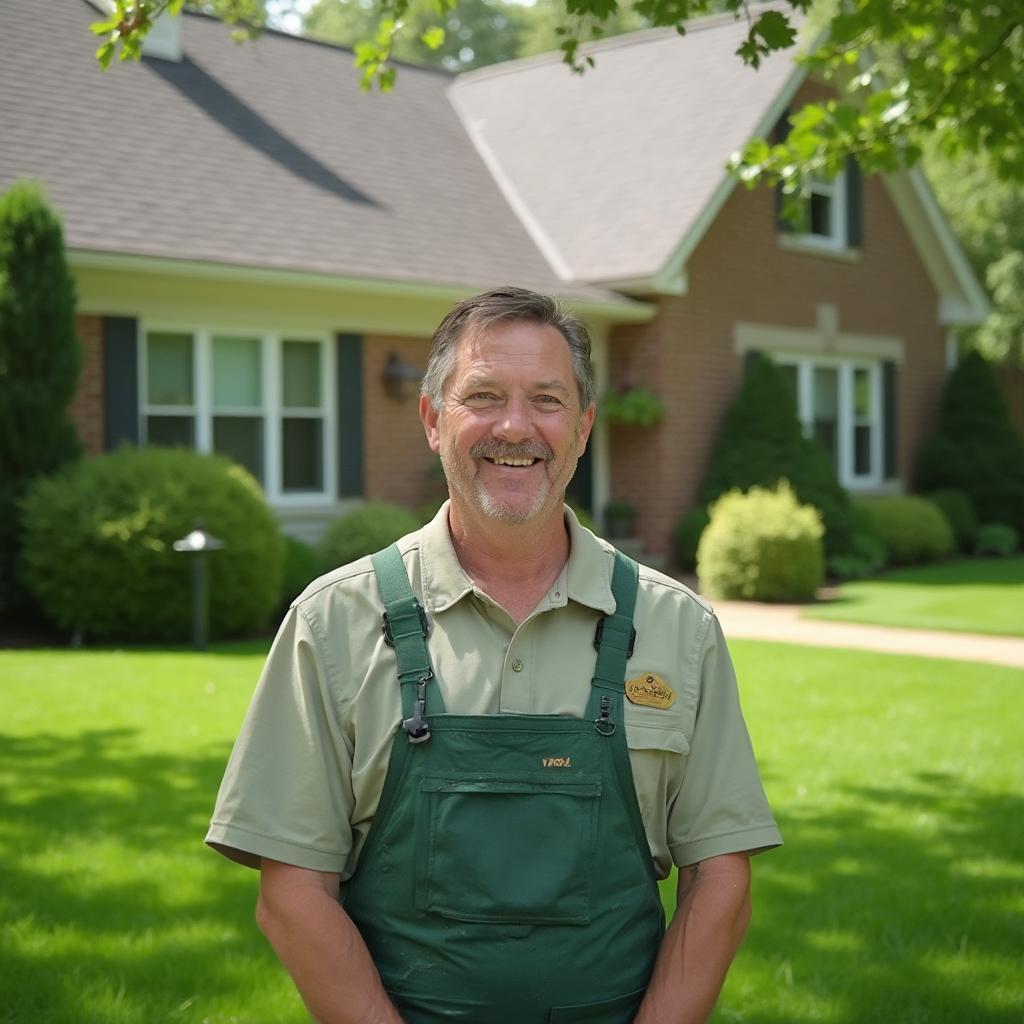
x=272, y=412
x=846, y=418
x=835, y=191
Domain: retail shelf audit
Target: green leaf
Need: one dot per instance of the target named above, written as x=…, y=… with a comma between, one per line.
x=101, y=28
x=105, y=54
x=775, y=29
x=433, y=37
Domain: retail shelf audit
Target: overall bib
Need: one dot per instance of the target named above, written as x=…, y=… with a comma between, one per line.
x=506, y=878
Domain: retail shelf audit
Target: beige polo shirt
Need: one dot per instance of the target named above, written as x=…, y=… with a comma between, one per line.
x=306, y=773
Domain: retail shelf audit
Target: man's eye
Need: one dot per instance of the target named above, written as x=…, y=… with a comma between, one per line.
x=549, y=399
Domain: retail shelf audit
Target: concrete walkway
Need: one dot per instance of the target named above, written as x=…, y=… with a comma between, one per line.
x=784, y=624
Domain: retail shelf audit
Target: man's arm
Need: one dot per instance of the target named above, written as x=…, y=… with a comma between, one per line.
x=322, y=949
x=712, y=914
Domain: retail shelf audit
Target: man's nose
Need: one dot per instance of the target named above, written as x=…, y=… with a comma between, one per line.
x=514, y=423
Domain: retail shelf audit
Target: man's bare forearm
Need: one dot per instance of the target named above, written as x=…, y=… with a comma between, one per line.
x=320, y=946
x=712, y=914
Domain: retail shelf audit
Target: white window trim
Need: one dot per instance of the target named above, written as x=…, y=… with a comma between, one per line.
x=846, y=418
x=836, y=244
x=271, y=410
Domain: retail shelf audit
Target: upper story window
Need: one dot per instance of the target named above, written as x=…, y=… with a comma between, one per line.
x=826, y=219
x=260, y=399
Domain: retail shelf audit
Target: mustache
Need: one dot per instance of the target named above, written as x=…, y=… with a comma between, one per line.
x=488, y=449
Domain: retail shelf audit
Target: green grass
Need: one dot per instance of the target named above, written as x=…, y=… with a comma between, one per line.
x=897, y=899
x=984, y=595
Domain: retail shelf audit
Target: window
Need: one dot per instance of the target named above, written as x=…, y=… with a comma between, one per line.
x=839, y=402
x=826, y=213
x=262, y=400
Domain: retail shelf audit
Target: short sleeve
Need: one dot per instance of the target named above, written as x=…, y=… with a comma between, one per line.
x=287, y=790
x=721, y=806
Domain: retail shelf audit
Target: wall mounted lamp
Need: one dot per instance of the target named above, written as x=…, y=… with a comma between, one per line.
x=400, y=380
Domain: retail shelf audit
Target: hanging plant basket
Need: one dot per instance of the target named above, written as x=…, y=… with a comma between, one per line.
x=634, y=407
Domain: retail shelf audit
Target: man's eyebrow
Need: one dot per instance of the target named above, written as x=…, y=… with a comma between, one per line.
x=474, y=381
x=551, y=385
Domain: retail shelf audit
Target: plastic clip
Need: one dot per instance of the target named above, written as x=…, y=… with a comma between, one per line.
x=599, y=633
x=389, y=636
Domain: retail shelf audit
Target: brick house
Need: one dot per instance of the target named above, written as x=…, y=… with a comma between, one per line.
x=262, y=252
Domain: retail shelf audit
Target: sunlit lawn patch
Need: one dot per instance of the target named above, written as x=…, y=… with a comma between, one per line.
x=983, y=595
x=897, y=783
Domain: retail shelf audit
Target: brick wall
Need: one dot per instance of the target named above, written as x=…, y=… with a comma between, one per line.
x=398, y=465
x=1011, y=382
x=86, y=409
x=739, y=272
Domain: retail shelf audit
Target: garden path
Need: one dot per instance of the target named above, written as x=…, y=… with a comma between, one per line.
x=782, y=622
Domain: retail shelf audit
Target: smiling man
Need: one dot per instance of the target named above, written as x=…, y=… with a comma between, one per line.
x=470, y=757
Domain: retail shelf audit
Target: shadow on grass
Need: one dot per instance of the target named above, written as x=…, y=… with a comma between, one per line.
x=904, y=908
x=103, y=921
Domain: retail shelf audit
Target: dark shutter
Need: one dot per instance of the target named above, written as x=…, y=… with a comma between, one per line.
x=779, y=133
x=120, y=380
x=889, y=414
x=854, y=229
x=750, y=358
x=350, y=414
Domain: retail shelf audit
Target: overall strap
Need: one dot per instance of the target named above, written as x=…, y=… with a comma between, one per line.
x=614, y=641
x=405, y=629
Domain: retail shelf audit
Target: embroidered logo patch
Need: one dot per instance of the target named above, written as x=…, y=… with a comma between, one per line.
x=651, y=691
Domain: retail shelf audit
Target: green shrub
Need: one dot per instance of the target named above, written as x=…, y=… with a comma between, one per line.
x=99, y=537
x=363, y=531
x=976, y=449
x=301, y=567
x=762, y=546
x=912, y=528
x=867, y=555
x=996, y=539
x=761, y=442
x=686, y=537
x=39, y=362
x=957, y=508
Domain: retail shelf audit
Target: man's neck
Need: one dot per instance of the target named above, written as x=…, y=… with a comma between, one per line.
x=513, y=563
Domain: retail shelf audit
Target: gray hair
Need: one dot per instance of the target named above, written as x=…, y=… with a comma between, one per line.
x=500, y=305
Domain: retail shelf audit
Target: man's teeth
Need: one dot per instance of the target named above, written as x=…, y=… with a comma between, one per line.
x=500, y=461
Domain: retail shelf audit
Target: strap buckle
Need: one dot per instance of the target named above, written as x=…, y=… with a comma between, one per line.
x=389, y=636
x=417, y=728
x=599, y=634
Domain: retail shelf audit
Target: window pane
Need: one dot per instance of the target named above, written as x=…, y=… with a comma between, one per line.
x=237, y=380
x=821, y=215
x=862, y=450
x=240, y=438
x=301, y=371
x=170, y=431
x=169, y=369
x=826, y=408
x=302, y=457
x=861, y=392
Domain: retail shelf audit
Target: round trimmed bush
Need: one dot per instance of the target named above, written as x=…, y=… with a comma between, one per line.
x=996, y=539
x=762, y=546
x=363, y=531
x=866, y=556
x=957, y=508
x=99, y=536
x=301, y=567
x=912, y=529
x=686, y=537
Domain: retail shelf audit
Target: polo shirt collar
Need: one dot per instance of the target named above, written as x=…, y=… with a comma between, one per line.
x=585, y=579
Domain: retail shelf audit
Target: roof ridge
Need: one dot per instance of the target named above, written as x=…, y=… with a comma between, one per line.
x=621, y=40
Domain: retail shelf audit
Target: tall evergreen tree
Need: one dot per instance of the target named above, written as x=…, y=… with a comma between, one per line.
x=976, y=448
x=40, y=358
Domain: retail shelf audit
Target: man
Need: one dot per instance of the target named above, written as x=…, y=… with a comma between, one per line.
x=460, y=808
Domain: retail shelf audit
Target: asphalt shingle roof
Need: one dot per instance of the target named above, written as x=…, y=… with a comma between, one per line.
x=615, y=166
x=263, y=155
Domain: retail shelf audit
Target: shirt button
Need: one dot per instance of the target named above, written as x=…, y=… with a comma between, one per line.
x=517, y=665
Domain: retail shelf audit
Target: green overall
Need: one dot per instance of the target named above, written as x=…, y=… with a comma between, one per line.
x=507, y=877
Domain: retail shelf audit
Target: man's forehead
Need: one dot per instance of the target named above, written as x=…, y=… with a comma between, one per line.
x=522, y=338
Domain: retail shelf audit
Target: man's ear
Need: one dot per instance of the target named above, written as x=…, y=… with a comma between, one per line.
x=586, y=425
x=429, y=417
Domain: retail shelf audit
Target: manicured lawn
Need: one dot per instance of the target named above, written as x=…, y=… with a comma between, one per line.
x=897, y=782
x=984, y=595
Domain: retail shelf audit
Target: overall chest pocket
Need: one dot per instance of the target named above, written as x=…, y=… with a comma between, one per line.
x=509, y=848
